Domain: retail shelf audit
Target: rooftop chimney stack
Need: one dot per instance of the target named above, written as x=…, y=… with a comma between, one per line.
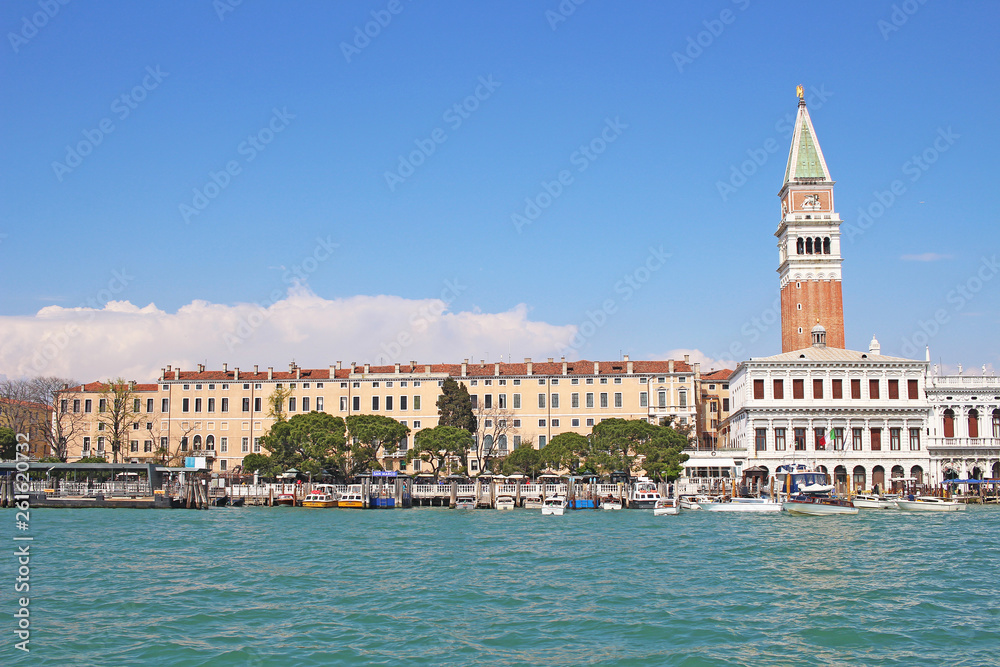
x=270, y=372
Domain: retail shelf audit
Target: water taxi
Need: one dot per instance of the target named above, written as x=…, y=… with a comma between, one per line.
x=319, y=499
x=554, y=506
x=284, y=499
x=532, y=503
x=611, y=503
x=666, y=507
x=929, y=504
x=808, y=492
x=352, y=498
x=871, y=501
x=643, y=495
x=505, y=502
x=741, y=505
x=465, y=503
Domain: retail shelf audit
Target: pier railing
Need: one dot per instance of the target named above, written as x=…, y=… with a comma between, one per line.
x=85, y=490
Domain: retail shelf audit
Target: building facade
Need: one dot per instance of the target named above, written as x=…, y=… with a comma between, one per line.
x=964, y=438
x=222, y=414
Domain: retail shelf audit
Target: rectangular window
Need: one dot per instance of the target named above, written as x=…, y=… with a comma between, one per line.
x=541, y=401
x=256, y=404
x=388, y=403
x=855, y=388
x=291, y=404
x=798, y=389
x=837, y=388
x=86, y=443
x=88, y=405
x=914, y=438
x=541, y=441
x=661, y=398
x=758, y=389
x=911, y=389
x=76, y=405
x=225, y=405
x=163, y=443
x=147, y=446
x=574, y=422
x=819, y=435
x=305, y=404
x=224, y=445
x=800, y=440
x=488, y=401
x=779, y=389
x=356, y=404
x=100, y=443
x=590, y=422
x=502, y=401
x=779, y=439
x=873, y=389
x=817, y=388
x=761, y=439
x=211, y=405
x=541, y=422
x=319, y=403
x=838, y=439
x=133, y=446
x=604, y=399
x=343, y=404
x=416, y=402
x=256, y=445
x=246, y=405
x=197, y=405
x=149, y=405
x=618, y=399
x=894, y=389
x=185, y=405
x=164, y=405
x=184, y=443
x=894, y=439
x=876, y=435
x=136, y=407
x=63, y=405
x=403, y=401
x=643, y=399
x=517, y=401
x=856, y=435
x=590, y=399
x=725, y=405
x=245, y=445
x=555, y=401
x=375, y=404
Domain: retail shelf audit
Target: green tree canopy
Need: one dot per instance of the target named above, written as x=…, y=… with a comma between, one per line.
x=525, y=460
x=435, y=445
x=372, y=432
x=455, y=406
x=634, y=444
x=567, y=451
x=264, y=465
x=305, y=442
x=8, y=444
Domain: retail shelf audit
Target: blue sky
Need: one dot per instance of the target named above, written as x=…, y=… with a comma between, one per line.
x=641, y=252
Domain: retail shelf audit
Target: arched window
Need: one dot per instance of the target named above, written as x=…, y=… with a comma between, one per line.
x=996, y=423
x=878, y=477
x=809, y=246
x=973, y=423
x=488, y=445
x=818, y=245
x=917, y=473
x=800, y=246
x=840, y=476
x=858, y=478
x=949, y=423
x=210, y=442
x=197, y=442
x=826, y=245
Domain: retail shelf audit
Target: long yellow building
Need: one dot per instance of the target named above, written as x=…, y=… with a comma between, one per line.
x=222, y=414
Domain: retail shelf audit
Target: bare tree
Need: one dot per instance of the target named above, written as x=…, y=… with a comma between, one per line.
x=15, y=405
x=492, y=427
x=117, y=411
x=63, y=424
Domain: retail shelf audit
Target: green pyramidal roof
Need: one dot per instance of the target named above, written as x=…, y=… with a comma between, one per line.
x=805, y=158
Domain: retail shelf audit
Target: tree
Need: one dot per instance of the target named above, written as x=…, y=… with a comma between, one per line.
x=305, y=441
x=64, y=424
x=635, y=444
x=116, y=410
x=368, y=433
x=525, y=460
x=493, y=425
x=436, y=446
x=8, y=444
x=455, y=406
x=276, y=403
x=261, y=464
x=567, y=451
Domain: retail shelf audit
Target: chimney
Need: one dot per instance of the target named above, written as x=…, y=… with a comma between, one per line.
x=397, y=368
x=597, y=368
x=339, y=367
x=354, y=366
x=687, y=359
x=168, y=368
x=368, y=368
x=670, y=366
x=427, y=369
x=225, y=368
x=298, y=373
x=629, y=365
x=697, y=370
x=255, y=369
x=163, y=373
x=551, y=360
x=201, y=368
x=333, y=372
x=177, y=374
x=465, y=367
x=131, y=385
x=496, y=369
x=65, y=387
x=565, y=366
x=270, y=372
x=527, y=362
x=413, y=365
x=236, y=373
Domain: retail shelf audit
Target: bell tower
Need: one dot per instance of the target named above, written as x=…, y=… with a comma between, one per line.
x=808, y=243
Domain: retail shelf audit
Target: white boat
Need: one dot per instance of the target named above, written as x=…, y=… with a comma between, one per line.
x=867, y=501
x=694, y=502
x=611, y=503
x=929, y=504
x=505, y=502
x=643, y=495
x=810, y=505
x=741, y=505
x=532, y=503
x=554, y=506
x=319, y=499
x=666, y=507
x=809, y=492
x=465, y=503
x=352, y=498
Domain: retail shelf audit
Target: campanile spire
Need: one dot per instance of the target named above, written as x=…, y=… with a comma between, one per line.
x=809, y=261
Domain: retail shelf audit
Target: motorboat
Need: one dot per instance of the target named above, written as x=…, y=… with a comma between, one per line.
x=741, y=505
x=532, y=503
x=808, y=492
x=611, y=503
x=319, y=499
x=465, y=503
x=505, y=502
x=695, y=502
x=643, y=495
x=666, y=507
x=554, y=506
x=816, y=505
x=871, y=501
x=284, y=499
x=929, y=504
x=352, y=498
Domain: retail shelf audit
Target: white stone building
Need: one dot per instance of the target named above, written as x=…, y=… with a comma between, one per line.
x=964, y=425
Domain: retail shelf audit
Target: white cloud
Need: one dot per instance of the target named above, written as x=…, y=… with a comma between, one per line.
x=926, y=257
x=706, y=361
x=135, y=342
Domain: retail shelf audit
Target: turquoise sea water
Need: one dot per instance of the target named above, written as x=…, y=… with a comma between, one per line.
x=293, y=586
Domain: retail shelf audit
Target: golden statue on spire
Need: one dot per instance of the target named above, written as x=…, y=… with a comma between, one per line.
x=800, y=92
